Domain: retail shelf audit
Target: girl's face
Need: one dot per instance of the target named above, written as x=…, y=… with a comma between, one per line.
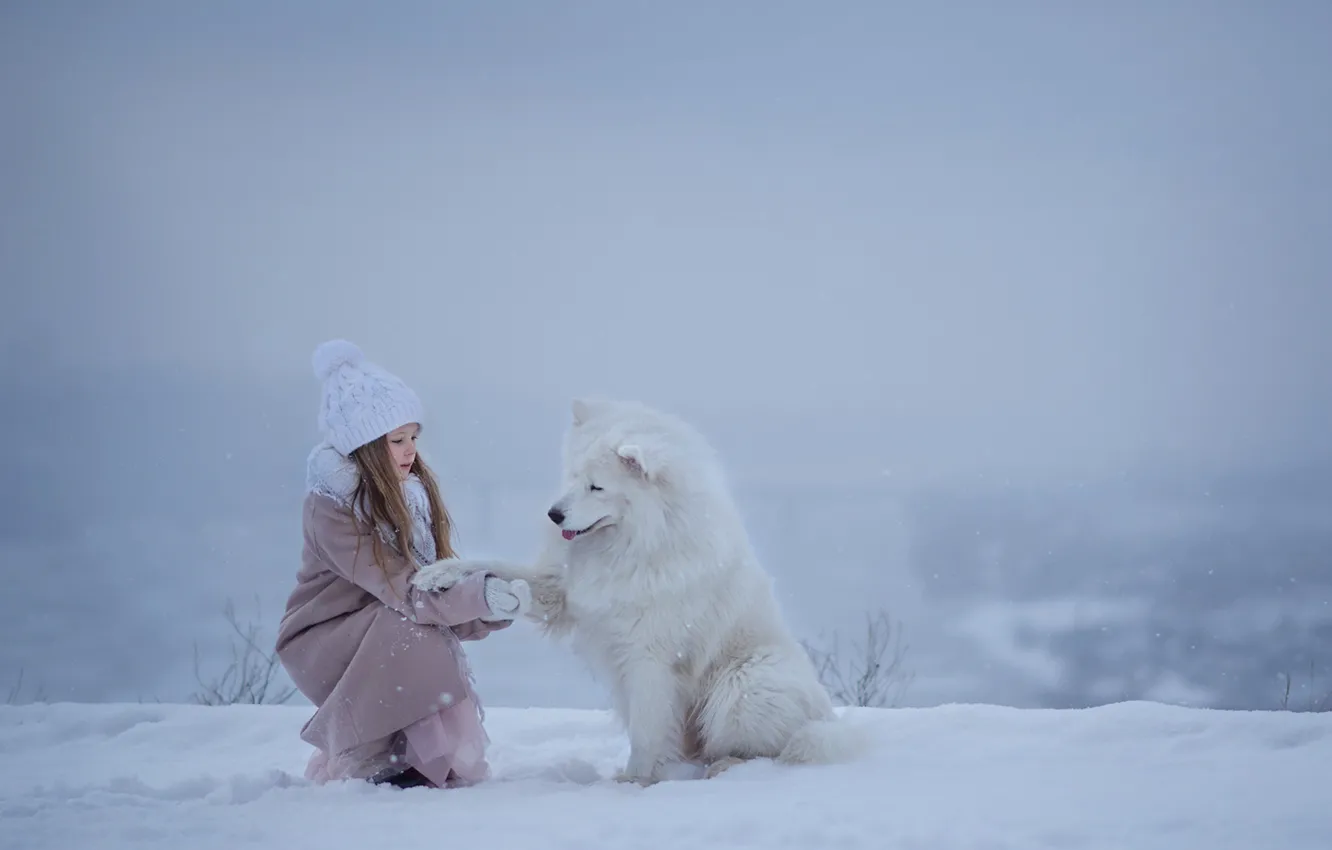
x=402, y=448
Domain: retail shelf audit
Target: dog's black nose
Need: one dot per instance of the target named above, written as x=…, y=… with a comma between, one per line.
x=556, y=515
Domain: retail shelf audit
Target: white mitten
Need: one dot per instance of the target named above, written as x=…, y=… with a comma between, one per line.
x=508, y=600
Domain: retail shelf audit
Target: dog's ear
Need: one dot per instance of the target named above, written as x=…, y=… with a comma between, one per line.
x=638, y=460
x=587, y=408
x=583, y=409
x=580, y=410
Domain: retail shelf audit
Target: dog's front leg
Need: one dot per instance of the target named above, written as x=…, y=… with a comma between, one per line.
x=547, y=582
x=549, y=608
x=653, y=719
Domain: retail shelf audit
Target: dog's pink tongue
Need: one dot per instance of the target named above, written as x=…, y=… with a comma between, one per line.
x=569, y=535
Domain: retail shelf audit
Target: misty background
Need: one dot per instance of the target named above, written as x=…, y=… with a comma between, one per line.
x=1011, y=319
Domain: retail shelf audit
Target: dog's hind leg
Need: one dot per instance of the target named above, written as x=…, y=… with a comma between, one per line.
x=764, y=707
x=750, y=712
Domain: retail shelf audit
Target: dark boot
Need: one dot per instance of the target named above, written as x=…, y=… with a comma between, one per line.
x=409, y=778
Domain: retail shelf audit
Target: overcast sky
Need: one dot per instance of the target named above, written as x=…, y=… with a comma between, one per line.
x=1055, y=244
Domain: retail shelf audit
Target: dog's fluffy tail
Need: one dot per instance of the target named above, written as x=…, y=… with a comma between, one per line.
x=831, y=741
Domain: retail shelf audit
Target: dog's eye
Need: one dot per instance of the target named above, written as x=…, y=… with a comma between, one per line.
x=593, y=487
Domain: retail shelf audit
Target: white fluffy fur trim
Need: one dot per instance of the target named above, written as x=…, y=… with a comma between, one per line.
x=330, y=473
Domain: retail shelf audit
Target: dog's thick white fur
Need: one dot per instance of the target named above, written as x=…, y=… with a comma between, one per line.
x=649, y=570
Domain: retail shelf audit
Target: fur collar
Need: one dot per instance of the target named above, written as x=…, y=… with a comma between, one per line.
x=330, y=473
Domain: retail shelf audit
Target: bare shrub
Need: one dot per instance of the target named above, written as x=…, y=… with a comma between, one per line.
x=1315, y=702
x=249, y=679
x=15, y=694
x=871, y=672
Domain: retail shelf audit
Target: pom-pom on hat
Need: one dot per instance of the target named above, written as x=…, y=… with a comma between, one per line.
x=361, y=401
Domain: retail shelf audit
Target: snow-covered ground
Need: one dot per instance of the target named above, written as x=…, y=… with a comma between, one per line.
x=1129, y=776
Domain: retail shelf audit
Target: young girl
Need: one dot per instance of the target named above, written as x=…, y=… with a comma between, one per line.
x=382, y=660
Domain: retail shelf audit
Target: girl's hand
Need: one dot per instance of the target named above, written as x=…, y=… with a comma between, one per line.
x=508, y=600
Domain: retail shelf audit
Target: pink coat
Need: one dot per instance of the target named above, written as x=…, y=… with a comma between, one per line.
x=381, y=660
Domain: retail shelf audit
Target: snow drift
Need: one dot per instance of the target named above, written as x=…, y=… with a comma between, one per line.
x=1131, y=775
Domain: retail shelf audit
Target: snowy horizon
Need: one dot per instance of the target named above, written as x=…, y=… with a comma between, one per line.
x=1035, y=592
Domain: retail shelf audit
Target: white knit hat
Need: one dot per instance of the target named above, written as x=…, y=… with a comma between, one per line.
x=361, y=402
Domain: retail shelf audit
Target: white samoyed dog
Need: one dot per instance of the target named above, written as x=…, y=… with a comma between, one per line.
x=649, y=570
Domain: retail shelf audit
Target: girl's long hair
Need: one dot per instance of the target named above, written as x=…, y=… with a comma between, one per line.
x=379, y=493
